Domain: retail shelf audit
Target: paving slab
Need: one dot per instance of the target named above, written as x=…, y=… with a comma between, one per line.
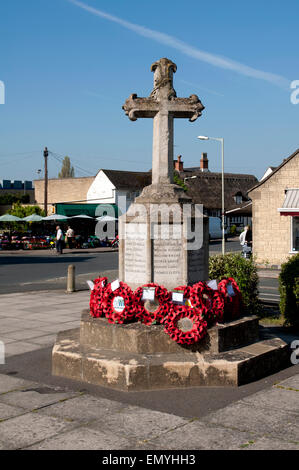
x=265, y=443
x=44, y=341
x=139, y=423
x=35, y=397
x=8, y=411
x=256, y=420
x=9, y=384
x=291, y=382
x=83, y=439
x=24, y=334
x=84, y=409
x=28, y=429
x=19, y=347
x=276, y=398
x=56, y=328
x=201, y=436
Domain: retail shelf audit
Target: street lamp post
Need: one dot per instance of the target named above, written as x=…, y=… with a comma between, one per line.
x=219, y=139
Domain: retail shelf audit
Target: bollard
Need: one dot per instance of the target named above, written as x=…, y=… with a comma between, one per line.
x=70, y=279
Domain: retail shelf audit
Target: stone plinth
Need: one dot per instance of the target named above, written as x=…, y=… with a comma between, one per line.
x=155, y=245
x=137, y=338
x=136, y=357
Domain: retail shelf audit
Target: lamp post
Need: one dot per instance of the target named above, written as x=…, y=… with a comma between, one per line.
x=219, y=139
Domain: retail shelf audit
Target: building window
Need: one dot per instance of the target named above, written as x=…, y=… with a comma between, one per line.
x=238, y=198
x=295, y=233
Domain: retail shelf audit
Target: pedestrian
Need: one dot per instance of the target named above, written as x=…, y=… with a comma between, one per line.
x=59, y=240
x=243, y=236
x=248, y=236
x=70, y=234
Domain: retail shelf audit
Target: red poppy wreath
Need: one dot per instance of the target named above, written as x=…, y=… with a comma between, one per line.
x=96, y=297
x=232, y=298
x=203, y=296
x=119, y=304
x=185, y=325
x=149, y=312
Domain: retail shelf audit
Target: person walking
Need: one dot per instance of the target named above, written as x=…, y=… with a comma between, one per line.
x=248, y=236
x=242, y=237
x=59, y=240
x=70, y=234
x=246, y=242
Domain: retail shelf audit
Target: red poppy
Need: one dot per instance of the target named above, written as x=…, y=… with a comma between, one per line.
x=204, y=296
x=96, y=297
x=232, y=303
x=119, y=305
x=185, y=325
x=162, y=297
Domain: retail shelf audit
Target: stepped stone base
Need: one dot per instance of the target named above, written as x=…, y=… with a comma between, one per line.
x=136, y=357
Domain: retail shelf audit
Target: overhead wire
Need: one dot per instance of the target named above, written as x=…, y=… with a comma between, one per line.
x=60, y=158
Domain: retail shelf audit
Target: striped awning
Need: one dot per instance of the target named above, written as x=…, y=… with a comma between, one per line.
x=290, y=203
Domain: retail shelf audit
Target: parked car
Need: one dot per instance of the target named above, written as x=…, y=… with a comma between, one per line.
x=215, y=229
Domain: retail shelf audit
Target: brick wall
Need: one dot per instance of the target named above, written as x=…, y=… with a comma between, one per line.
x=271, y=231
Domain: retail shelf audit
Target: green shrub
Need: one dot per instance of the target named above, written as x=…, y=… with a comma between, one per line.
x=177, y=180
x=23, y=211
x=244, y=271
x=233, y=230
x=8, y=199
x=289, y=291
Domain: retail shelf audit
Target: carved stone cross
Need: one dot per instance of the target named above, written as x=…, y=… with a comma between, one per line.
x=163, y=106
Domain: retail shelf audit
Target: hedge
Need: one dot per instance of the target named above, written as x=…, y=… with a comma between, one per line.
x=244, y=271
x=289, y=291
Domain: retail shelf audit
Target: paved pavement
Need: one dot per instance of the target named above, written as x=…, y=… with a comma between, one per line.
x=38, y=417
x=38, y=411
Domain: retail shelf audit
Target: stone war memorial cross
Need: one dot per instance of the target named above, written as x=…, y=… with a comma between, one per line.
x=134, y=356
x=163, y=106
x=147, y=258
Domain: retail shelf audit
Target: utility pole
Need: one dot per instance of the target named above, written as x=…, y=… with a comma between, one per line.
x=46, y=181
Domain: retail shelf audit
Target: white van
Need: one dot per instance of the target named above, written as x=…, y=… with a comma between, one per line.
x=215, y=230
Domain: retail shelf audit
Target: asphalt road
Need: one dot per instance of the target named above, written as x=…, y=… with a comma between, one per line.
x=27, y=271
x=21, y=272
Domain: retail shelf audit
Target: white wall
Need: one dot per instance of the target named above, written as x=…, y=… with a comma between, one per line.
x=101, y=190
x=268, y=172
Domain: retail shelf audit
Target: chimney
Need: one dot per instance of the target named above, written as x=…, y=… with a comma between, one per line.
x=178, y=164
x=204, y=162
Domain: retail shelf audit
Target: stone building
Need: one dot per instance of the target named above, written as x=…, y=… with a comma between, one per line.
x=70, y=195
x=205, y=187
x=275, y=211
x=107, y=187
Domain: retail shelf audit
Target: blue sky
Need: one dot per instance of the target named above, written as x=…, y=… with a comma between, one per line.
x=69, y=66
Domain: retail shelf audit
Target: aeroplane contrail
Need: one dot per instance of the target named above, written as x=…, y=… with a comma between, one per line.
x=162, y=38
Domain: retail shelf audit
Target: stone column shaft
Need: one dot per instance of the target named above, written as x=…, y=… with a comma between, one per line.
x=162, y=171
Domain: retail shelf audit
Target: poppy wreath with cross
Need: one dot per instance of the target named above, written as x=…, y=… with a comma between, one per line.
x=96, y=297
x=143, y=314
x=213, y=300
x=119, y=304
x=185, y=325
x=232, y=304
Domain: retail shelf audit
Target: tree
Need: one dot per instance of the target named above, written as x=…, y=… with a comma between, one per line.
x=23, y=211
x=66, y=170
